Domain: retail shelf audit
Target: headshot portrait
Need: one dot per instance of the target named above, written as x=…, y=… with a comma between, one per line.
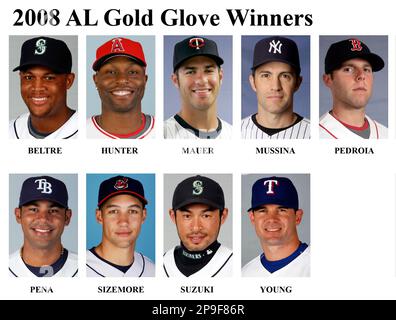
x=120, y=225
x=43, y=87
x=43, y=225
x=198, y=87
x=198, y=225
x=275, y=87
x=120, y=87
x=354, y=87
x=276, y=225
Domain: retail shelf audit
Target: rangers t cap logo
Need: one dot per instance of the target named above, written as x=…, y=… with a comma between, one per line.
x=43, y=188
x=274, y=190
x=195, y=46
x=48, y=52
x=204, y=190
x=347, y=49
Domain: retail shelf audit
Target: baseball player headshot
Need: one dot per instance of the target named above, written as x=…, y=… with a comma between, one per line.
x=275, y=77
x=45, y=75
x=275, y=213
x=43, y=213
x=120, y=79
x=121, y=211
x=197, y=75
x=198, y=212
x=349, y=67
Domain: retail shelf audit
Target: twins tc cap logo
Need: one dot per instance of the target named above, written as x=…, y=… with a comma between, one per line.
x=41, y=46
x=275, y=47
x=196, y=43
x=121, y=184
x=356, y=45
x=44, y=186
x=117, y=45
x=197, y=187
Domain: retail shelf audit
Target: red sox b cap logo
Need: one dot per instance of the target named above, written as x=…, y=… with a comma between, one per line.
x=44, y=186
x=117, y=45
x=121, y=184
x=356, y=45
x=196, y=43
x=271, y=184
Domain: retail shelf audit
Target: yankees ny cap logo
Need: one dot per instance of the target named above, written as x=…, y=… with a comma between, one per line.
x=275, y=47
x=44, y=186
x=41, y=46
x=196, y=43
x=356, y=45
x=121, y=184
x=271, y=184
x=117, y=45
x=197, y=187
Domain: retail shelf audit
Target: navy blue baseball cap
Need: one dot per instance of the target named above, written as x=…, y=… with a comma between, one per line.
x=198, y=189
x=195, y=46
x=120, y=185
x=276, y=49
x=48, y=52
x=274, y=190
x=43, y=188
x=344, y=50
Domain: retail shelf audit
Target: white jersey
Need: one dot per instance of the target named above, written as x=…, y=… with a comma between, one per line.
x=251, y=129
x=176, y=128
x=299, y=267
x=94, y=131
x=331, y=128
x=141, y=267
x=19, y=128
x=220, y=265
x=17, y=267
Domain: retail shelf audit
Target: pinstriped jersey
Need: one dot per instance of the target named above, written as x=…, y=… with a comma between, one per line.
x=251, y=129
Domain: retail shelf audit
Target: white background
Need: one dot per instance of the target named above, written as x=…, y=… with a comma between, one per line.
x=352, y=197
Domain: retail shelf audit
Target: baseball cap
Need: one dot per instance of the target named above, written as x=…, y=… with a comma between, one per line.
x=195, y=46
x=198, y=189
x=276, y=49
x=120, y=185
x=119, y=47
x=348, y=49
x=43, y=188
x=274, y=190
x=45, y=51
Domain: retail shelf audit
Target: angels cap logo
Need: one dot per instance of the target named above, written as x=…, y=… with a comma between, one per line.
x=44, y=186
x=121, y=184
x=197, y=187
x=271, y=184
x=356, y=45
x=41, y=46
x=196, y=43
x=117, y=45
x=275, y=47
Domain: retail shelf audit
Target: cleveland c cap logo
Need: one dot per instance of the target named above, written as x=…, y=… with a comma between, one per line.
x=40, y=47
x=117, y=45
x=44, y=186
x=121, y=184
x=197, y=187
x=356, y=45
x=196, y=43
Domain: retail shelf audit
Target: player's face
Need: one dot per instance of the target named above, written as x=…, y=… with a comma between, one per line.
x=198, y=225
x=42, y=223
x=275, y=84
x=121, y=217
x=276, y=225
x=43, y=91
x=352, y=84
x=198, y=81
x=121, y=83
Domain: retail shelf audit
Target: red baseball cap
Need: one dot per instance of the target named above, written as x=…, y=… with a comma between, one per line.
x=119, y=47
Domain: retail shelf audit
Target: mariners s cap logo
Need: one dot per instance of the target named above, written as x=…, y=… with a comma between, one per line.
x=117, y=45
x=275, y=47
x=121, y=184
x=41, y=46
x=197, y=187
x=44, y=186
x=196, y=43
x=356, y=45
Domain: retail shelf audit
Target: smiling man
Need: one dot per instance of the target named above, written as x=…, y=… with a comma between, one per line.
x=275, y=78
x=349, y=67
x=43, y=214
x=121, y=212
x=120, y=79
x=275, y=215
x=197, y=74
x=198, y=211
x=45, y=76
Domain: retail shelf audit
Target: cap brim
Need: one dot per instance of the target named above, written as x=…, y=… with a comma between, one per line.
x=376, y=62
x=42, y=198
x=98, y=63
x=116, y=193
x=197, y=200
x=298, y=69
x=39, y=63
x=274, y=201
x=219, y=61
